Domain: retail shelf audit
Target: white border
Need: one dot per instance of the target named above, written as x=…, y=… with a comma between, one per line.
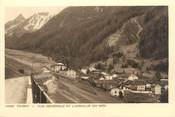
x=112, y=110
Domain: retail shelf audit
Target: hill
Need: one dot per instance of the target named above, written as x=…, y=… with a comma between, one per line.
x=79, y=36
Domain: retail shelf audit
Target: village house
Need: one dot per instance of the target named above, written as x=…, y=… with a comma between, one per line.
x=92, y=69
x=115, y=75
x=84, y=71
x=58, y=67
x=116, y=92
x=136, y=85
x=108, y=77
x=71, y=73
x=157, y=89
x=148, y=87
x=141, y=85
x=124, y=88
x=132, y=77
x=141, y=88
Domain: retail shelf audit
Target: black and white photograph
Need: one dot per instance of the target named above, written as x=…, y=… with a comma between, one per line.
x=86, y=54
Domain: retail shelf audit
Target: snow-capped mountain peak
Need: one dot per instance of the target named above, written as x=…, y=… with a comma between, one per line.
x=37, y=20
x=20, y=25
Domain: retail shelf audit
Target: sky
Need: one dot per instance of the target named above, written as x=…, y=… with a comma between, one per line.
x=13, y=12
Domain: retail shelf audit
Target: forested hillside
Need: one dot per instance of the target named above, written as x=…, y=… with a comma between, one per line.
x=79, y=36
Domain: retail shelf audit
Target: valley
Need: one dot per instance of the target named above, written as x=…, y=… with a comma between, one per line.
x=93, y=53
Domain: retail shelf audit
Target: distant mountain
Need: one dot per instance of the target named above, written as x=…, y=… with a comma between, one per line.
x=12, y=25
x=36, y=21
x=82, y=35
x=20, y=25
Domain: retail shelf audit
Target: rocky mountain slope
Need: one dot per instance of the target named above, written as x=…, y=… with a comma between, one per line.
x=79, y=36
x=11, y=26
x=20, y=25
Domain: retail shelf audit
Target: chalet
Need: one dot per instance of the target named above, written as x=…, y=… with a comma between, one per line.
x=115, y=75
x=108, y=77
x=132, y=77
x=136, y=85
x=116, y=92
x=84, y=71
x=141, y=88
x=92, y=69
x=71, y=73
x=157, y=89
x=58, y=67
x=148, y=87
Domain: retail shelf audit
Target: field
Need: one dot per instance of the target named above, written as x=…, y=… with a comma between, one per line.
x=67, y=90
x=19, y=63
x=15, y=69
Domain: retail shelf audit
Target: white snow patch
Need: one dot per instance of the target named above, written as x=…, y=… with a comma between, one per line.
x=37, y=21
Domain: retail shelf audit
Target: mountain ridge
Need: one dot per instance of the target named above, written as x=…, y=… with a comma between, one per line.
x=20, y=25
x=78, y=36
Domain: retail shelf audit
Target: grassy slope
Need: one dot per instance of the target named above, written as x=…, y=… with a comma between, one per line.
x=12, y=68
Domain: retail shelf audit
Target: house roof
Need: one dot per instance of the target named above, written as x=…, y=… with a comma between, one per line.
x=57, y=64
x=135, y=82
